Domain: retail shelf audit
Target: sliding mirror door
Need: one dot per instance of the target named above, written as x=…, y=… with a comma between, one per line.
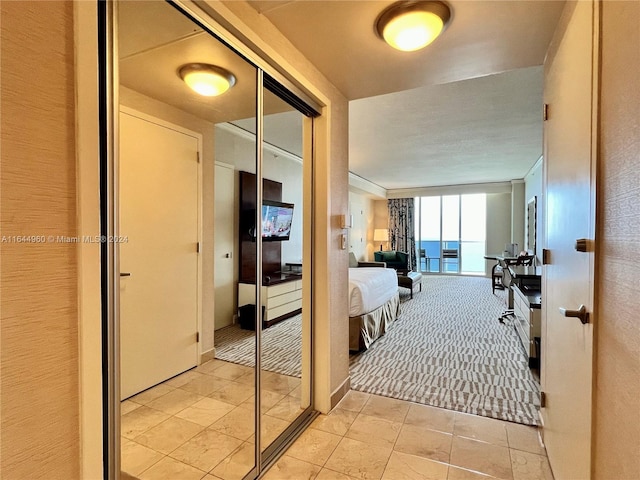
x=213, y=190
x=285, y=346
x=182, y=413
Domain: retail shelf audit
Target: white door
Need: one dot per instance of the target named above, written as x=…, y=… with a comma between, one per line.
x=223, y=246
x=567, y=343
x=159, y=261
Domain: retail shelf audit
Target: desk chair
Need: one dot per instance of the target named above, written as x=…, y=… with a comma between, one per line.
x=498, y=270
x=507, y=281
x=496, y=278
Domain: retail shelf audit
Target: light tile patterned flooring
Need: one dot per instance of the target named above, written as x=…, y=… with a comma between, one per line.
x=199, y=426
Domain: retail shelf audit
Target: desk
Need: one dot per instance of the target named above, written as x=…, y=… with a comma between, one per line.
x=502, y=262
x=528, y=278
x=526, y=309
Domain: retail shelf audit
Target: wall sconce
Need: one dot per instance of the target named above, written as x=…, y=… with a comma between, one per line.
x=410, y=26
x=381, y=235
x=207, y=80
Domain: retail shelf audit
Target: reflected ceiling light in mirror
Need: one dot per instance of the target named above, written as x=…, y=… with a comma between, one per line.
x=410, y=26
x=207, y=80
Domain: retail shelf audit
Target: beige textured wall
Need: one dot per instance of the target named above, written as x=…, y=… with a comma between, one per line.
x=381, y=215
x=617, y=389
x=39, y=407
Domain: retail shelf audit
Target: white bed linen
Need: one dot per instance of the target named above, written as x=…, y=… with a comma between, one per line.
x=369, y=288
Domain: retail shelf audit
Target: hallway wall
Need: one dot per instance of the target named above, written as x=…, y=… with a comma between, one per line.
x=39, y=406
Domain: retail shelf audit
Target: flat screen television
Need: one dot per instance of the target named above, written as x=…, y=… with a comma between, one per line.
x=276, y=220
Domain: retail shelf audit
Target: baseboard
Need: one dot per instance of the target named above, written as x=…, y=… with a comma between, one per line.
x=340, y=392
x=208, y=355
x=541, y=428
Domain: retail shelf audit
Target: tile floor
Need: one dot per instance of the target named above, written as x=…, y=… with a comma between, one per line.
x=198, y=426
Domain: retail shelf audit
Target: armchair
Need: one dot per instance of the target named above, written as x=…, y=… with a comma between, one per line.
x=393, y=259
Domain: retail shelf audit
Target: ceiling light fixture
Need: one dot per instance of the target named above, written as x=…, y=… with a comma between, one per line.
x=207, y=80
x=410, y=26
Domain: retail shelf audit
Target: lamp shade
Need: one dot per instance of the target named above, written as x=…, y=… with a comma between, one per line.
x=410, y=26
x=207, y=80
x=381, y=235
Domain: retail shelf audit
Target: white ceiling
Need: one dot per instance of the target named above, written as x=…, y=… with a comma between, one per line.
x=466, y=109
x=487, y=129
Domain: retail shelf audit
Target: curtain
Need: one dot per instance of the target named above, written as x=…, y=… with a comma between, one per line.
x=402, y=228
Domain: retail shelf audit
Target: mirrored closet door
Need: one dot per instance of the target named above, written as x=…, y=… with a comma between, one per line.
x=213, y=189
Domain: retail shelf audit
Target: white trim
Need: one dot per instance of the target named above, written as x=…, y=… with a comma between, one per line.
x=268, y=147
x=497, y=187
x=198, y=137
x=88, y=216
x=533, y=168
x=224, y=165
x=361, y=185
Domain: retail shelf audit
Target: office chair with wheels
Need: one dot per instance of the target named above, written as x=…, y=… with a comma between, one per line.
x=507, y=280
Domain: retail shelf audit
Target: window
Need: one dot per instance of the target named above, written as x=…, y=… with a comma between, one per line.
x=451, y=233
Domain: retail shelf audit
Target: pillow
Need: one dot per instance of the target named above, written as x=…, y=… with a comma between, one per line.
x=353, y=261
x=388, y=256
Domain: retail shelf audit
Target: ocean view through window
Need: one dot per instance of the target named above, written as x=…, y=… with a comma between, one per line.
x=451, y=233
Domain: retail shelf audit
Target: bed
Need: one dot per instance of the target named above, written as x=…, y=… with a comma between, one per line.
x=374, y=304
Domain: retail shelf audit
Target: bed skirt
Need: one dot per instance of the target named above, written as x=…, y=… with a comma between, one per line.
x=365, y=329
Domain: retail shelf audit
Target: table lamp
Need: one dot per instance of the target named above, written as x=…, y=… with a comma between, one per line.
x=381, y=235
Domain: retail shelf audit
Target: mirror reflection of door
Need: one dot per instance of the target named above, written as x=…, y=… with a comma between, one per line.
x=193, y=417
x=191, y=335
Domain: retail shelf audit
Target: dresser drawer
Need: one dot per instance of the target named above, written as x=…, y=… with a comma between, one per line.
x=287, y=297
x=276, y=312
x=279, y=289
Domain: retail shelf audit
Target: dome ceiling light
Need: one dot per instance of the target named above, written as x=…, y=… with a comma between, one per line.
x=207, y=80
x=410, y=26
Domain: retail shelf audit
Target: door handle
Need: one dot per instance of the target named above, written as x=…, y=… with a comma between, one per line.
x=125, y=274
x=581, y=313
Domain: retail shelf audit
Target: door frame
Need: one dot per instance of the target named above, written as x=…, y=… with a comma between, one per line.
x=165, y=124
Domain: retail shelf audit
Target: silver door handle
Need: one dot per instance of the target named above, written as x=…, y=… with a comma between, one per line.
x=581, y=313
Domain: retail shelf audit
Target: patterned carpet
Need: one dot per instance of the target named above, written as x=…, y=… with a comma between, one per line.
x=447, y=349
x=281, y=346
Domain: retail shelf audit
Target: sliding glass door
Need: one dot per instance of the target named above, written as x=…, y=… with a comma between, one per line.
x=451, y=234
